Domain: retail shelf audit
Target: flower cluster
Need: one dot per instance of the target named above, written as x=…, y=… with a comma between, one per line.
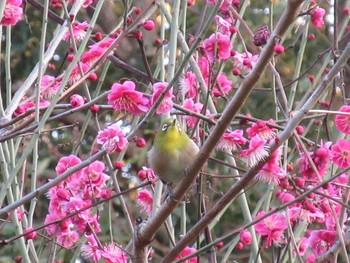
x=74, y=196
x=12, y=13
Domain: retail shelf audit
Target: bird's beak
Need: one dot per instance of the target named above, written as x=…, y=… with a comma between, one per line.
x=174, y=122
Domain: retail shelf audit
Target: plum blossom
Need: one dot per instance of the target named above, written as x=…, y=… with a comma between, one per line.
x=12, y=12
x=317, y=15
x=125, y=97
x=67, y=238
x=245, y=237
x=320, y=241
x=223, y=25
x=93, y=180
x=187, y=251
x=144, y=200
x=223, y=86
x=256, y=152
x=261, y=129
x=146, y=174
x=217, y=46
x=341, y=153
x=91, y=250
x=271, y=172
x=96, y=51
x=196, y=107
x=223, y=6
x=112, y=138
x=203, y=64
x=23, y=107
x=167, y=104
x=231, y=141
x=245, y=61
x=320, y=158
x=49, y=86
x=79, y=31
x=111, y=253
x=272, y=228
x=76, y=100
x=188, y=84
x=76, y=74
x=342, y=122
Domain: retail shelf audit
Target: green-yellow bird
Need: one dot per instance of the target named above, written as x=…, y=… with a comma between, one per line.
x=172, y=152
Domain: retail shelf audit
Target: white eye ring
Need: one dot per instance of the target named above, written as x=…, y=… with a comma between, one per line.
x=165, y=127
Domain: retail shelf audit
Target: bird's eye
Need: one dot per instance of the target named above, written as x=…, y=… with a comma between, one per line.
x=164, y=127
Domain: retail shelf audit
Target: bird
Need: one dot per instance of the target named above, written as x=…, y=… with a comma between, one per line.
x=172, y=152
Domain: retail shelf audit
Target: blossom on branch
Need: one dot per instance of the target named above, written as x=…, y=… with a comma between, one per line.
x=166, y=104
x=79, y=31
x=342, y=121
x=272, y=228
x=112, y=138
x=217, y=46
x=125, y=97
x=12, y=13
x=231, y=141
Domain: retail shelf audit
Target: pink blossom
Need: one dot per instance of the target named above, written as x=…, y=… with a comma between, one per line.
x=223, y=6
x=12, y=13
x=125, y=97
x=321, y=160
x=67, y=238
x=321, y=240
x=144, y=200
x=310, y=258
x=113, y=254
x=217, y=46
x=167, y=104
x=298, y=212
x=76, y=74
x=76, y=100
x=79, y=31
x=112, y=138
x=92, y=55
x=19, y=214
x=32, y=234
x=341, y=153
x=188, y=84
x=23, y=107
x=285, y=197
x=342, y=122
x=272, y=228
x=49, y=85
x=261, y=129
x=223, y=25
x=223, y=86
x=66, y=162
x=187, y=251
x=245, y=61
x=91, y=250
x=271, y=171
x=92, y=181
x=245, y=237
x=203, y=64
x=231, y=141
x=146, y=174
x=196, y=107
x=317, y=17
x=256, y=152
